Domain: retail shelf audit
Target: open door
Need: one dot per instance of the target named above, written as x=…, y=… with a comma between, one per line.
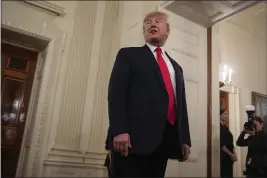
x=18, y=68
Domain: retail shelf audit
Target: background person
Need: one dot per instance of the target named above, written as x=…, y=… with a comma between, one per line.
x=228, y=155
x=256, y=160
x=147, y=106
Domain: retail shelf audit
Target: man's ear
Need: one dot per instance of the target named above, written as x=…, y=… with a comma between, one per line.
x=168, y=27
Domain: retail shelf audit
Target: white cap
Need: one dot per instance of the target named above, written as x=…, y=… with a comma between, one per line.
x=250, y=108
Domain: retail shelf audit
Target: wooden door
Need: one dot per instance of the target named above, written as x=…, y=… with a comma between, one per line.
x=18, y=67
x=224, y=103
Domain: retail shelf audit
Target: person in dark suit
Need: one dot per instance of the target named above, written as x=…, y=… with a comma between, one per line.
x=256, y=160
x=228, y=155
x=148, y=120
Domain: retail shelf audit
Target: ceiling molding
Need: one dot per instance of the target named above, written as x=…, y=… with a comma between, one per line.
x=206, y=13
x=48, y=6
x=231, y=4
x=164, y=4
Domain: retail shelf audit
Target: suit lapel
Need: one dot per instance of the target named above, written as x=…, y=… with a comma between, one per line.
x=179, y=82
x=152, y=62
x=178, y=74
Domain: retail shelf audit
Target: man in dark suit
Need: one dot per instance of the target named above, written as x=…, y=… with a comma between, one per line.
x=147, y=106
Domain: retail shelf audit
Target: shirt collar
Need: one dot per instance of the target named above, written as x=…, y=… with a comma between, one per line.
x=153, y=48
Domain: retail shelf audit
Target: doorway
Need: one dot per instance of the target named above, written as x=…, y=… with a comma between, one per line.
x=17, y=74
x=224, y=103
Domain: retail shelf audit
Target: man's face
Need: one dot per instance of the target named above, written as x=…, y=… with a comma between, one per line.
x=156, y=30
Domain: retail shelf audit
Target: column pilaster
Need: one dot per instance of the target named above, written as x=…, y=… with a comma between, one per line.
x=74, y=91
x=109, y=47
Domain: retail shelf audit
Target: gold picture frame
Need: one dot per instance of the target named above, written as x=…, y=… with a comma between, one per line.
x=260, y=102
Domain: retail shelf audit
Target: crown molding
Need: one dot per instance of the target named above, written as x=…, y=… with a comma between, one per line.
x=48, y=6
x=206, y=13
x=164, y=4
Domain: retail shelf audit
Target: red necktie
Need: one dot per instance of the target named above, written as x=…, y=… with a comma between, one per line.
x=168, y=84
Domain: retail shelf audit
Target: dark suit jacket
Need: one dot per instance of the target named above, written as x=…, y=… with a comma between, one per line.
x=138, y=101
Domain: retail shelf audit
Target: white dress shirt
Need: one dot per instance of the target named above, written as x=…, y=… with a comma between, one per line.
x=167, y=61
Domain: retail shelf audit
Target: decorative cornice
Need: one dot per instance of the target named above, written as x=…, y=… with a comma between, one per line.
x=163, y=5
x=48, y=6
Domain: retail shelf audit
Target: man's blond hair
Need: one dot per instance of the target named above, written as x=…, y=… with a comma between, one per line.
x=156, y=13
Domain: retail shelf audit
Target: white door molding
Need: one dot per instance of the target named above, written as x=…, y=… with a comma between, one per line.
x=234, y=123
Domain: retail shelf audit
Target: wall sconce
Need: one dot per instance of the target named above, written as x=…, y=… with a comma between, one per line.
x=226, y=76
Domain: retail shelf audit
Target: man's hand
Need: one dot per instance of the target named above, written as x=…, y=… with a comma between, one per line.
x=121, y=143
x=186, y=152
